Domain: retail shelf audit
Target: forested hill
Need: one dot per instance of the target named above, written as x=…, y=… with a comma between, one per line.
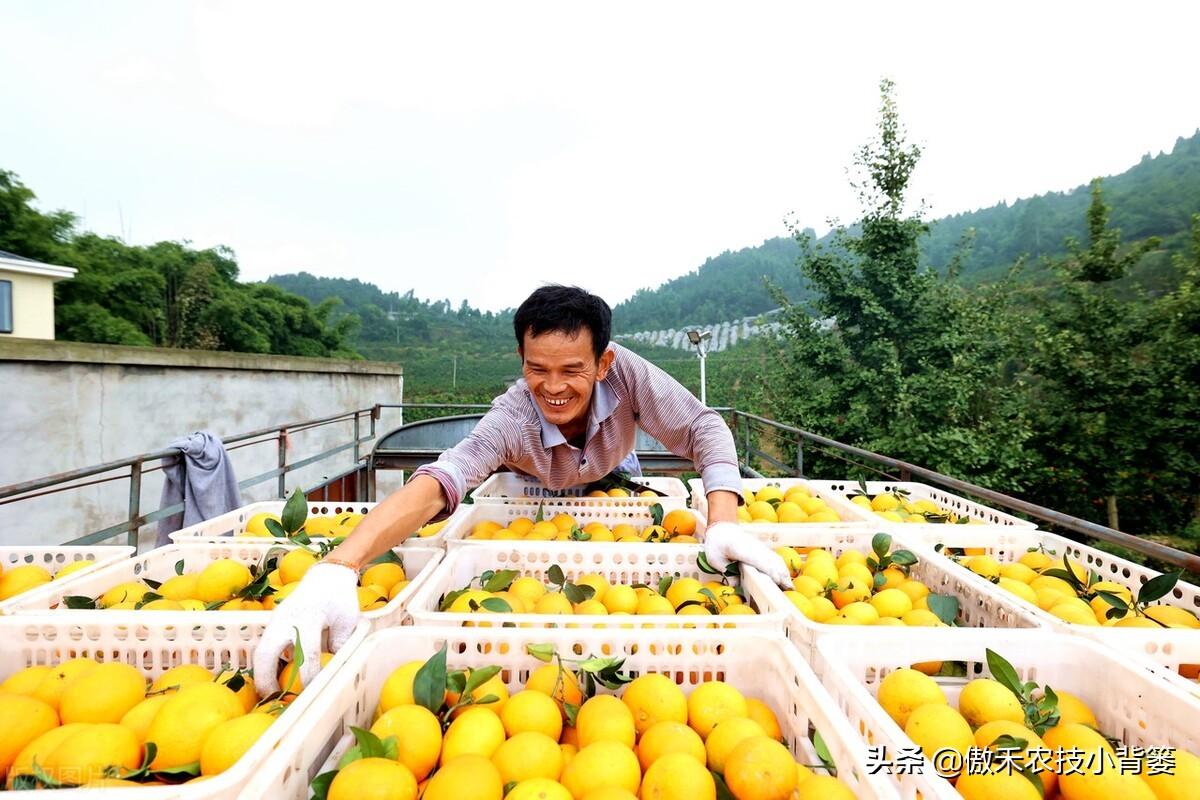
x=1156, y=197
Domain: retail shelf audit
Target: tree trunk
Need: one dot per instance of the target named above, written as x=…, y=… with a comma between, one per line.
x=1110, y=504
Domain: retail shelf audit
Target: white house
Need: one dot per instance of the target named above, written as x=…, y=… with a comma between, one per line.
x=27, y=296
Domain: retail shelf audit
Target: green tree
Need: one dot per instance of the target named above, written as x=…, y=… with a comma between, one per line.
x=1090, y=354
x=1173, y=398
x=893, y=356
x=168, y=294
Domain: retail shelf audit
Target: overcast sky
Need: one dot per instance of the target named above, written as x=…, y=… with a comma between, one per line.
x=475, y=150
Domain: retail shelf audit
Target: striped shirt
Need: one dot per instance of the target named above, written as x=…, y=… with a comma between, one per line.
x=634, y=393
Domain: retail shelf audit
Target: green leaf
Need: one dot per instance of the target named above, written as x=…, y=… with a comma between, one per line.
x=1158, y=587
x=497, y=605
x=656, y=513
x=508, y=787
x=456, y=681
x=1033, y=778
x=555, y=575
x=371, y=746
x=352, y=754
x=664, y=583
x=388, y=557
x=541, y=513
x=879, y=580
x=578, y=593
x=542, y=652
x=1008, y=742
x=904, y=558
x=1116, y=601
x=572, y=712
x=449, y=599
x=179, y=567
x=944, y=606
x=236, y=681
x=479, y=677
x=705, y=567
x=79, y=602
x=1004, y=672
x=822, y=750
x=579, y=535
x=148, y=597
x=723, y=792
x=881, y=543
x=599, y=664
x=275, y=529
x=1063, y=574
x=500, y=581
x=191, y=770
x=320, y=784
x=429, y=684
x=486, y=699
x=295, y=512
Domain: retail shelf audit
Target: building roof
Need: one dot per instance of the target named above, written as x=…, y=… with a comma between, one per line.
x=11, y=262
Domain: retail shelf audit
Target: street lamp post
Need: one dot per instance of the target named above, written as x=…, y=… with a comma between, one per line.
x=700, y=340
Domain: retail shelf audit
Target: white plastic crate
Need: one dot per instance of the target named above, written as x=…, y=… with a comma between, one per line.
x=839, y=492
x=699, y=500
x=619, y=563
x=466, y=517
x=1007, y=545
x=1166, y=651
x=1130, y=702
x=54, y=557
x=981, y=605
x=159, y=565
x=152, y=648
x=512, y=488
x=758, y=664
x=231, y=525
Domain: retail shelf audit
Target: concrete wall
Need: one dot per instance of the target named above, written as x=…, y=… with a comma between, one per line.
x=66, y=405
x=33, y=305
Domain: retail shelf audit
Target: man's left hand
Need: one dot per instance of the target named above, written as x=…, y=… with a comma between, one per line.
x=726, y=542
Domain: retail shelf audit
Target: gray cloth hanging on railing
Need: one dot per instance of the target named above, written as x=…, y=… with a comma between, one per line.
x=202, y=479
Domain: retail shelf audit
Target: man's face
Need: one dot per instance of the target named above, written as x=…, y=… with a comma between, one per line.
x=561, y=370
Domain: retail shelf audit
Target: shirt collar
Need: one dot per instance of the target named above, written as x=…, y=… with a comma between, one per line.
x=604, y=403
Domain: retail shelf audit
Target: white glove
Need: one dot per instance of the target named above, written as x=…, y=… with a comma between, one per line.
x=725, y=542
x=327, y=597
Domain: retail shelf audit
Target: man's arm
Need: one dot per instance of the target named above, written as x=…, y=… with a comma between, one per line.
x=722, y=506
x=435, y=489
x=688, y=428
x=391, y=522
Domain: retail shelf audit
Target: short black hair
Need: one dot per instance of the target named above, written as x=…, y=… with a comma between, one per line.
x=566, y=309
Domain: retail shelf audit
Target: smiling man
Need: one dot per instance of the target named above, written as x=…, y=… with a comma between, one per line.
x=572, y=420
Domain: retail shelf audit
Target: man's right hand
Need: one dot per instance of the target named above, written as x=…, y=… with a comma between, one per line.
x=327, y=597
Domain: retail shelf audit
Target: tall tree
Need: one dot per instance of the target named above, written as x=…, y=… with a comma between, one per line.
x=893, y=356
x=1090, y=352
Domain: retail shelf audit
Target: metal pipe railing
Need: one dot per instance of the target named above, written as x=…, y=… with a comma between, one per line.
x=907, y=471
x=135, y=467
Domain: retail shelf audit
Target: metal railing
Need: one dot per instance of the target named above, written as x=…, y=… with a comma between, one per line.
x=744, y=425
x=748, y=430
x=132, y=469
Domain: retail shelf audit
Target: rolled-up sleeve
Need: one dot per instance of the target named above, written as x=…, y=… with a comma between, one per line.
x=464, y=466
x=684, y=425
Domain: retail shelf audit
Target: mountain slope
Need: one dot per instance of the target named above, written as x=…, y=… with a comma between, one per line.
x=1156, y=197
